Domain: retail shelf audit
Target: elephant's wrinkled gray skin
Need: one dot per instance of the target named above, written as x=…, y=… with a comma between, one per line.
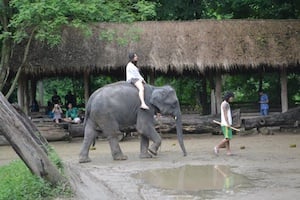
x=117, y=106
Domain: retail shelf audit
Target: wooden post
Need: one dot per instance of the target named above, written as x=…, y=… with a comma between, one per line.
x=284, y=98
x=26, y=95
x=203, y=96
x=21, y=92
x=41, y=92
x=152, y=77
x=86, y=80
x=33, y=87
x=213, y=102
x=218, y=91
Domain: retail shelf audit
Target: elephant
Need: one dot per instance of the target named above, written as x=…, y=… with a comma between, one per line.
x=116, y=106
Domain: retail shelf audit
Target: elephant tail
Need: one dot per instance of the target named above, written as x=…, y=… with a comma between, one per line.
x=87, y=113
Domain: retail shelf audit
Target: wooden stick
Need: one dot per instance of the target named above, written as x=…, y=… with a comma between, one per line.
x=236, y=129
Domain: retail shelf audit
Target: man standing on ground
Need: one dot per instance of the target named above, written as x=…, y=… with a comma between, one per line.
x=264, y=103
x=226, y=122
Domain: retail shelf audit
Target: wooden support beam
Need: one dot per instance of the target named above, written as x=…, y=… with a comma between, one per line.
x=40, y=86
x=21, y=92
x=218, y=91
x=86, y=80
x=284, y=98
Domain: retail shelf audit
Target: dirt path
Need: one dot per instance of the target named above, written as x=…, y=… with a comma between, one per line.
x=268, y=162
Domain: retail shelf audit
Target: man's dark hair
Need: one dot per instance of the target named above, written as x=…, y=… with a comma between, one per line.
x=228, y=95
x=131, y=56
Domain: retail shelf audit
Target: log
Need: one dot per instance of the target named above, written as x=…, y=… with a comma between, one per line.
x=195, y=123
x=288, y=118
x=75, y=130
x=191, y=123
x=19, y=134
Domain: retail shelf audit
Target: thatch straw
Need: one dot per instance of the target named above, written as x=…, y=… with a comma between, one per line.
x=193, y=45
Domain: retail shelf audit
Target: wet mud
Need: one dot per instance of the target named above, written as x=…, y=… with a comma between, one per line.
x=265, y=168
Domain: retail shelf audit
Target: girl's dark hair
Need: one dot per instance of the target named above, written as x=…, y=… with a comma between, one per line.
x=228, y=95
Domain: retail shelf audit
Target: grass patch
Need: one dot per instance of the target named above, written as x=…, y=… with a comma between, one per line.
x=18, y=183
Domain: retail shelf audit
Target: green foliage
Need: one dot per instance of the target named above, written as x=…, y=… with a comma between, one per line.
x=55, y=159
x=186, y=88
x=47, y=17
x=227, y=9
x=75, y=85
x=100, y=81
x=61, y=85
x=293, y=89
x=18, y=183
x=246, y=87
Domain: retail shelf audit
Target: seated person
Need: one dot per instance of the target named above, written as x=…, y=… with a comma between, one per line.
x=134, y=77
x=72, y=114
x=57, y=111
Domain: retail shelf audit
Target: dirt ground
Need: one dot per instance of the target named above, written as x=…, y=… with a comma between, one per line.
x=269, y=162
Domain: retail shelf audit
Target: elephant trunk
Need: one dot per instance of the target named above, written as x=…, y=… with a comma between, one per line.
x=179, y=132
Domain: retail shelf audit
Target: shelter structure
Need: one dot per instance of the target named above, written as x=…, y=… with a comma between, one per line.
x=208, y=48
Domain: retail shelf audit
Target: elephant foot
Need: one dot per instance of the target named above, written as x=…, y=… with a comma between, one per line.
x=84, y=160
x=153, y=151
x=145, y=155
x=120, y=157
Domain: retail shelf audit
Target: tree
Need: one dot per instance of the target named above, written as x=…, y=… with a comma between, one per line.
x=31, y=148
x=25, y=20
x=227, y=9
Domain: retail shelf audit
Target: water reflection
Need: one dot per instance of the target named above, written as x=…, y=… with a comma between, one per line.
x=191, y=178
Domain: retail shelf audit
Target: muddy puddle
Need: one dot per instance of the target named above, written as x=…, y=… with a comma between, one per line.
x=196, y=180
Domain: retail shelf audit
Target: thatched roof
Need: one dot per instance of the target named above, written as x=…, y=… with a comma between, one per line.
x=192, y=45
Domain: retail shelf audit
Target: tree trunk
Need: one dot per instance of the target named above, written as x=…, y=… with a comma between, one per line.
x=34, y=132
x=5, y=46
x=19, y=134
x=291, y=118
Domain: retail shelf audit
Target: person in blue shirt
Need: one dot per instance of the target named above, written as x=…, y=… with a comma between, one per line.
x=264, y=103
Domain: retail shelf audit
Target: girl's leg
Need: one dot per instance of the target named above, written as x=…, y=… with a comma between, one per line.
x=140, y=87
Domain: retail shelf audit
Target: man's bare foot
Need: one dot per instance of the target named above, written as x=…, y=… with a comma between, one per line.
x=216, y=150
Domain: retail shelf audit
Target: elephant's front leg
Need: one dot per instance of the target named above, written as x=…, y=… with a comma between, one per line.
x=150, y=133
x=155, y=137
x=144, y=147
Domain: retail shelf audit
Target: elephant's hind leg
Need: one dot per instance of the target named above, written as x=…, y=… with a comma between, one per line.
x=89, y=136
x=111, y=130
x=116, y=151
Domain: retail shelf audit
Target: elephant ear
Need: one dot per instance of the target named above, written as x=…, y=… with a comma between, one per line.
x=156, y=97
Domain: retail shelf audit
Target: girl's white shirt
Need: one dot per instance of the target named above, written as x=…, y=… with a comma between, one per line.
x=132, y=72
